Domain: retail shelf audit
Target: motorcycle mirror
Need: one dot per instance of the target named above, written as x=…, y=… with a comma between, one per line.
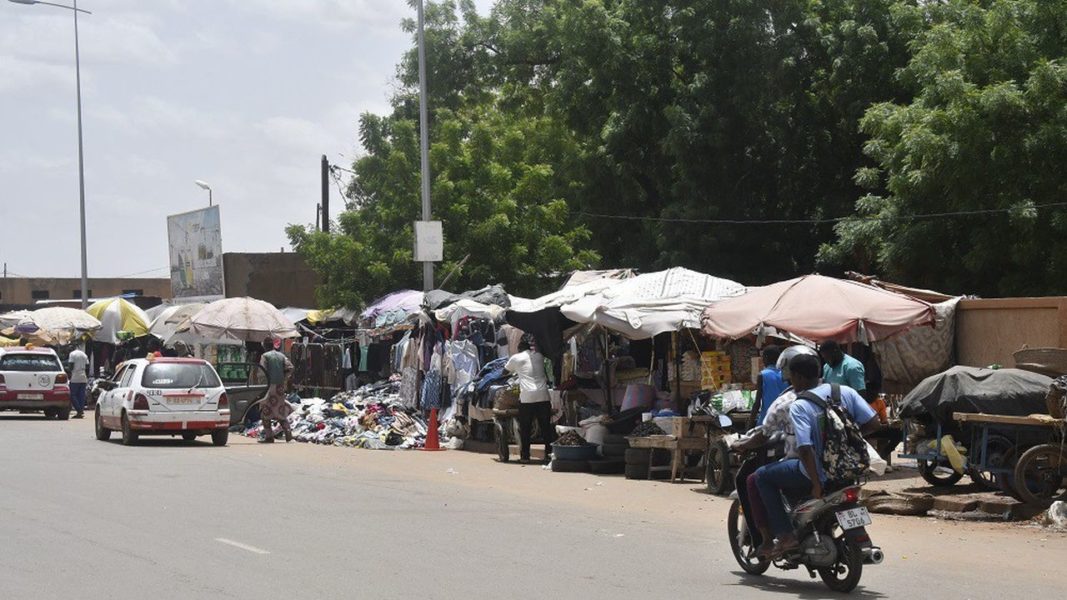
x=725, y=421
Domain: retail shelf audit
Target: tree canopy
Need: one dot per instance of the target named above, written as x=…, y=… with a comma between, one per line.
x=636, y=133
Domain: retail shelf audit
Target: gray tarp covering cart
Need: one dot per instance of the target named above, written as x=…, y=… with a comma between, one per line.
x=973, y=390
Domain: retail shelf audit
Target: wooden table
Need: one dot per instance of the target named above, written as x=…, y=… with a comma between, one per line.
x=677, y=447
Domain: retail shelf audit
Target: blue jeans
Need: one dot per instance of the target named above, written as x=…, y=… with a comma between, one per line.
x=77, y=396
x=774, y=480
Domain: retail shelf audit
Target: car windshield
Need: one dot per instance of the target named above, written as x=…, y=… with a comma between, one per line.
x=29, y=362
x=179, y=375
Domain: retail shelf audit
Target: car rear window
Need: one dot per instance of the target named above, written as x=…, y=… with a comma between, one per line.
x=29, y=362
x=179, y=375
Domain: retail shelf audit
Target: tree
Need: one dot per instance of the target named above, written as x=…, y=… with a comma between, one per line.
x=986, y=133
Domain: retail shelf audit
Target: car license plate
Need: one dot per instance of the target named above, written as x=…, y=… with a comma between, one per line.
x=31, y=396
x=183, y=399
x=853, y=518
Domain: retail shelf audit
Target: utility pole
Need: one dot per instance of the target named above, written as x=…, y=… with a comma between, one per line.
x=424, y=143
x=325, y=195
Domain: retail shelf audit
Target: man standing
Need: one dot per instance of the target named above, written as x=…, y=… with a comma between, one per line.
x=79, y=381
x=274, y=407
x=803, y=475
x=534, y=401
x=842, y=369
x=769, y=385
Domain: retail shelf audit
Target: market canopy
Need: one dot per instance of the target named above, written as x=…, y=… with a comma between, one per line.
x=817, y=308
x=115, y=315
x=55, y=325
x=167, y=322
x=654, y=303
x=237, y=320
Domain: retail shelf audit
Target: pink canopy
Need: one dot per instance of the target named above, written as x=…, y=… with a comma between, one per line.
x=817, y=308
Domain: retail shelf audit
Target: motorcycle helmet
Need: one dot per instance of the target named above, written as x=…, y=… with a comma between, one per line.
x=789, y=353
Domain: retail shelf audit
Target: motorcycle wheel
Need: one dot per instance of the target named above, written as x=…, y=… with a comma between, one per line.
x=718, y=474
x=742, y=549
x=845, y=575
x=938, y=476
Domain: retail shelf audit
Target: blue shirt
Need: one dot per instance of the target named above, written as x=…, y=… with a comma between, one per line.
x=771, y=386
x=850, y=372
x=808, y=419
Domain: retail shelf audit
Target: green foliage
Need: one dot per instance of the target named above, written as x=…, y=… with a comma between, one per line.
x=987, y=129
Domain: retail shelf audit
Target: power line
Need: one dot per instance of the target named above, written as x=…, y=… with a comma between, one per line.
x=143, y=272
x=823, y=221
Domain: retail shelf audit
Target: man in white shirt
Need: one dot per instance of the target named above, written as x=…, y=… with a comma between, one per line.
x=79, y=381
x=534, y=400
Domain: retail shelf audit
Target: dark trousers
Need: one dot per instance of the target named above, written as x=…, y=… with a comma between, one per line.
x=77, y=396
x=542, y=412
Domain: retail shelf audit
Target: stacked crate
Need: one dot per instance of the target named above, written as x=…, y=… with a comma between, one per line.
x=714, y=370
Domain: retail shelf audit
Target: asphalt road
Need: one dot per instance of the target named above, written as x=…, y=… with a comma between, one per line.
x=85, y=519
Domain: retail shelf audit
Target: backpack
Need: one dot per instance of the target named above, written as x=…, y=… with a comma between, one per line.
x=844, y=451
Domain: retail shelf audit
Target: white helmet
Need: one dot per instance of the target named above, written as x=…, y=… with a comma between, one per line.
x=791, y=352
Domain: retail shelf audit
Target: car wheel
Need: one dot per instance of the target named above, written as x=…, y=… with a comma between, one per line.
x=129, y=438
x=188, y=436
x=220, y=436
x=50, y=413
x=102, y=433
x=63, y=414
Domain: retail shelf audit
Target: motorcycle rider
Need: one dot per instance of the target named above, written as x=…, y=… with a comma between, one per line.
x=804, y=475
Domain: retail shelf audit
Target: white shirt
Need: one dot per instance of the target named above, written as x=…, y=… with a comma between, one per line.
x=533, y=384
x=777, y=419
x=79, y=367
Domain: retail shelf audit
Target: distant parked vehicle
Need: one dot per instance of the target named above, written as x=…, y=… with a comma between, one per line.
x=164, y=396
x=33, y=379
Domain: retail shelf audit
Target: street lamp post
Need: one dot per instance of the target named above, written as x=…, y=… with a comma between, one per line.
x=81, y=156
x=203, y=185
x=424, y=144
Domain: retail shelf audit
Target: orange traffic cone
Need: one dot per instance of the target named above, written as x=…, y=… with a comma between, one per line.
x=432, y=441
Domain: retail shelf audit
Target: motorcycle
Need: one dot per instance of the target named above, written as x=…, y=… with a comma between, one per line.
x=832, y=530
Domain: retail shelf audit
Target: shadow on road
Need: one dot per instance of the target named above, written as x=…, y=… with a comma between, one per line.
x=806, y=589
x=166, y=442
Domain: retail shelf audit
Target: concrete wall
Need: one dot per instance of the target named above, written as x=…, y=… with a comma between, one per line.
x=20, y=290
x=989, y=331
x=281, y=278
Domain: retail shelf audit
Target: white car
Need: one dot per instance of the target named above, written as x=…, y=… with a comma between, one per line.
x=164, y=396
x=33, y=379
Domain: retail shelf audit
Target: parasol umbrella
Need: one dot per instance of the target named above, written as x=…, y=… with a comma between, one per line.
x=13, y=318
x=238, y=320
x=169, y=319
x=817, y=308
x=56, y=325
x=392, y=308
x=118, y=314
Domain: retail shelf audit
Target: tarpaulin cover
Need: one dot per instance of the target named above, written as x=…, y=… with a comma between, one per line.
x=918, y=353
x=654, y=303
x=1011, y=392
x=490, y=295
x=817, y=308
x=392, y=308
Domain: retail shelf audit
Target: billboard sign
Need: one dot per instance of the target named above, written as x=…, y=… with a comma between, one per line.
x=196, y=253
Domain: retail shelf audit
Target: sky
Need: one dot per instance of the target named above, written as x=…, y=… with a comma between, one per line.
x=246, y=95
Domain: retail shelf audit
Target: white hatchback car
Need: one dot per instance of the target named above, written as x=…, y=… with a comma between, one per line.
x=33, y=379
x=164, y=396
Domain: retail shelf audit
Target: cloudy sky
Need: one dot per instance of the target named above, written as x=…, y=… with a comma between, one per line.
x=244, y=94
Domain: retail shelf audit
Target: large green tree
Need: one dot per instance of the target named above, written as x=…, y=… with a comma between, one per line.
x=986, y=133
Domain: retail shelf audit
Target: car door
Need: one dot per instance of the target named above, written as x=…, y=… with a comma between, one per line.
x=117, y=396
x=246, y=384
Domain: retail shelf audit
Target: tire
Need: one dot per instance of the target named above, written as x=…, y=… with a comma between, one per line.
x=503, y=449
x=570, y=466
x=1041, y=475
x=129, y=437
x=63, y=414
x=844, y=576
x=636, y=456
x=219, y=437
x=50, y=413
x=189, y=437
x=102, y=433
x=614, y=450
x=610, y=466
x=1001, y=455
x=938, y=479
x=741, y=544
x=615, y=439
x=636, y=471
x=719, y=474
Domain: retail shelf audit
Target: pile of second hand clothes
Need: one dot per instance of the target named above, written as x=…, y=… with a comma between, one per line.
x=370, y=417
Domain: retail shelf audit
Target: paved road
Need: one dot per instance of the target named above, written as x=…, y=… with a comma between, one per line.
x=85, y=519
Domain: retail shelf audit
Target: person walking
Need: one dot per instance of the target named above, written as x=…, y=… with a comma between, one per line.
x=274, y=407
x=534, y=400
x=79, y=380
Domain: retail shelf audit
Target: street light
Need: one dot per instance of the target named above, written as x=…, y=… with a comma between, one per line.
x=204, y=185
x=81, y=156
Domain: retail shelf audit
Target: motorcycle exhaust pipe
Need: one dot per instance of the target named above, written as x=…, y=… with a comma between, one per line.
x=873, y=556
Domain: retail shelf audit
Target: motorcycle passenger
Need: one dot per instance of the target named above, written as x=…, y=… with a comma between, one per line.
x=803, y=475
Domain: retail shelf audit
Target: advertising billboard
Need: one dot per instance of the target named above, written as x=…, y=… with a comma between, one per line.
x=196, y=253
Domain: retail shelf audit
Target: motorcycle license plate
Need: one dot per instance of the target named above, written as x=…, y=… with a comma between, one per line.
x=853, y=518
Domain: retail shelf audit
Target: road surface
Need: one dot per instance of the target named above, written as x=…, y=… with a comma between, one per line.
x=86, y=519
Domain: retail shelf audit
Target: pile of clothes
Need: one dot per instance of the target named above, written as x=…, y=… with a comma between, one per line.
x=371, y=417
